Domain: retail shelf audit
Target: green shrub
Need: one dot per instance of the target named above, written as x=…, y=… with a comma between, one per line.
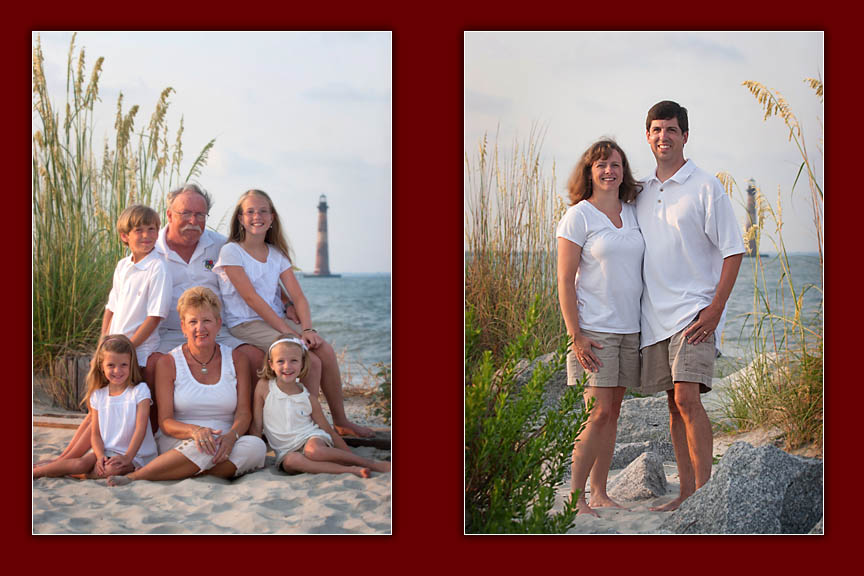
x=516, y=453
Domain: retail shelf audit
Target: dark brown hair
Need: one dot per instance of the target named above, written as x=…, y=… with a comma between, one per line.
x=580, y=185
x=666, y=110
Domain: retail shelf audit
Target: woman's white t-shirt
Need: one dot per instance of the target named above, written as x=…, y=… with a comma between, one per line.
x=609, y=278
x=117, y=416
x=264, y=277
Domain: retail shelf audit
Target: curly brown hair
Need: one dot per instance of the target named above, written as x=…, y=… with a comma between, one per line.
x=580, y=184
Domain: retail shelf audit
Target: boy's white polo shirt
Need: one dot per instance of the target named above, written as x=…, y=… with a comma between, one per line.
x=689, y=228
x=197, y=272
x=138, y=290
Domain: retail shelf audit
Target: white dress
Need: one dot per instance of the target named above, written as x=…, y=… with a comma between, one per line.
x=288, y=421
x=117, y=416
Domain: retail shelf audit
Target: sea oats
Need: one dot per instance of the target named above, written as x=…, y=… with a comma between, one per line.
x=816, y=84
x=727, y=181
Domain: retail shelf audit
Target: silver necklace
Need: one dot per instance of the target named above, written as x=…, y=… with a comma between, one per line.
x=203, y=364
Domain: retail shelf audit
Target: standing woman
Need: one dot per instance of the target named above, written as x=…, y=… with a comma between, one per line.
x=599, y=288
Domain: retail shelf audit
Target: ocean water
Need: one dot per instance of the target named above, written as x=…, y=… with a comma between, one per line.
x=804, y=270
x=353, y=314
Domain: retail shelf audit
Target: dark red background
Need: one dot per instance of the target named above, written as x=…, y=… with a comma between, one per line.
x=428, y=304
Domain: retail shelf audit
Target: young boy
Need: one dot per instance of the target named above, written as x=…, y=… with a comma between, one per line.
x=141, y=291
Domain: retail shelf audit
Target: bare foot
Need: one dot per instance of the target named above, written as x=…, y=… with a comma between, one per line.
x=44, y=462
x=352, y=429
x=361, y=472
x=669, y=506
x=118, y=480
x=380, y=465
x=604, y=502
x=583, y=508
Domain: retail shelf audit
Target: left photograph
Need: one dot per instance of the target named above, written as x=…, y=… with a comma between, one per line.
x=211, y=282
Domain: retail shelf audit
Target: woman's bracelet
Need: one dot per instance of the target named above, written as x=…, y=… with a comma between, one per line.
x=310, y=330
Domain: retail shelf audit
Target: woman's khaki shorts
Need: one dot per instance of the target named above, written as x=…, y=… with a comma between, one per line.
x=260, y=334
x=674, y=360
x=620, y=358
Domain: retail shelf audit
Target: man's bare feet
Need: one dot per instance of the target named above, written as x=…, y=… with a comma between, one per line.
x=44, y=462
x=352, y=429
x=360, y=471
x=118, y=480
x=669, y=506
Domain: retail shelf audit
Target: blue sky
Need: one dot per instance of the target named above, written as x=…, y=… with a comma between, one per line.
x=294, y=114
x=580, y=86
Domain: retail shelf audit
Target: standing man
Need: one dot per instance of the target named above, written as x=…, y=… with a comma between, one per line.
x=693, y=249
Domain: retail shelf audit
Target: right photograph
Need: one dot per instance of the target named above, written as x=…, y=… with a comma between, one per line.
x=644, y=282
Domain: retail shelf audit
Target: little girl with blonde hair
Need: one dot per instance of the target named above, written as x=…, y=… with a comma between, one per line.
x=119, y=403
x=293, y=421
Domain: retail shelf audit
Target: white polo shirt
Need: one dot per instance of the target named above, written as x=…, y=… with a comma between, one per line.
x=609, y=278
x=138, y=290
x=197, y=272
x=689, y=228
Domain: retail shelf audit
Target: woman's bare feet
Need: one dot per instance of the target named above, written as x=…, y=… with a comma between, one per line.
x=604, y=502
x=380, y=466
x=583, y=508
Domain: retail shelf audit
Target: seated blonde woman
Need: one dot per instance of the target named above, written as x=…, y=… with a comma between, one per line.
x=203, y=392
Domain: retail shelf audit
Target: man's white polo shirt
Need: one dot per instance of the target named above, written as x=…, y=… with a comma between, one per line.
x=689, y=228
x=197, y=272
x=138, y=290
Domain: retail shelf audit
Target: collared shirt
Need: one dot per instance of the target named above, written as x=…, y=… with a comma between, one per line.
x=138, y=290
x=689, y=228
x=197, y=272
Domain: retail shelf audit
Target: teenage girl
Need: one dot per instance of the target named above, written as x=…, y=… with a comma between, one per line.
x=119, y=403
x=251, y=266
x=293, y=421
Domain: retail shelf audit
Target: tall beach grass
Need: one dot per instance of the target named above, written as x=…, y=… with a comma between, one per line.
x=511, y=212
x=783, y=386
x=80, y=187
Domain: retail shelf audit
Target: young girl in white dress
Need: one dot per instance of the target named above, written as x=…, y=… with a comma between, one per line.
x=293, y=421
x=119, y=402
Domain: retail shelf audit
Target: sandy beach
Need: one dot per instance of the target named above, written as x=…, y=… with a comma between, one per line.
x=263, y=502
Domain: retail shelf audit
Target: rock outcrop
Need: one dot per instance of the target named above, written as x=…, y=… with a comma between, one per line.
x=754, y=491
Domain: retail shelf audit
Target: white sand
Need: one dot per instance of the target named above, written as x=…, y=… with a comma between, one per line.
x=263, y=502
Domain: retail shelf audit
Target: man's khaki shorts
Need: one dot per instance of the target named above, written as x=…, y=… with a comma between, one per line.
x=620, y=358
x=674, y=360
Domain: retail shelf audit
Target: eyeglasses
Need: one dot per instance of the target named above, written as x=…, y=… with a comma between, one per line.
x=186, y=214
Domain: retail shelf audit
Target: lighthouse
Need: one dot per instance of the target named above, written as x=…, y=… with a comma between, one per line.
x=322, y=259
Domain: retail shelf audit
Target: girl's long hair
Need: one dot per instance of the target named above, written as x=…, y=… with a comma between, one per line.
x=118, y=344
x=274, y=236
x=580, y=186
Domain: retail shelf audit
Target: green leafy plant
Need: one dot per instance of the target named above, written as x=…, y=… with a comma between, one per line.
x=517, y=452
